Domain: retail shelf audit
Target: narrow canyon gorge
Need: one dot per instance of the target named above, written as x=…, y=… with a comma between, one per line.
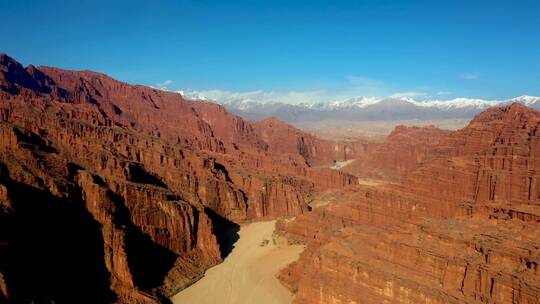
x=128, y=194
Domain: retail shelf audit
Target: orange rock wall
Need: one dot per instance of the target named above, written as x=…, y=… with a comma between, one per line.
x=143, y=178
x=462, y=226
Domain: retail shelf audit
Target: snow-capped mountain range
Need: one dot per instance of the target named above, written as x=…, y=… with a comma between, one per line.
x=362, y=108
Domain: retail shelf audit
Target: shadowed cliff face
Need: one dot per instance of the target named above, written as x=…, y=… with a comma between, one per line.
x=137, y=189
x=462, y=226
x=53, y=248
x=226, y=232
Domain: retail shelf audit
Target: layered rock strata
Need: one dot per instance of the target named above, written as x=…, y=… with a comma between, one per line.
x=461, y=227
x=129, y=188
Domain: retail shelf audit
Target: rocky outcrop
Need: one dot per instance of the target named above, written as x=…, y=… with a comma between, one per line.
x=284, y=138
x=137, y=182
x=402, y=151
x=461, y=227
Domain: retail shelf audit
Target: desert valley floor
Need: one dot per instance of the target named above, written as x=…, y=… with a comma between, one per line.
x=249, y=273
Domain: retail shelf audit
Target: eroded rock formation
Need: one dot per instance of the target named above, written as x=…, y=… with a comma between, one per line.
x=402, y=151
x=462, y=226
x=111, y=192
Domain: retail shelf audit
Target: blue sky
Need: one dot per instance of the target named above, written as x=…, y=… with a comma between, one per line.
x=329, y=49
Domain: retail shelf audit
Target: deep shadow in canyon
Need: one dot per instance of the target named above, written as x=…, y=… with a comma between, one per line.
x=226, y=232
x=51, y=248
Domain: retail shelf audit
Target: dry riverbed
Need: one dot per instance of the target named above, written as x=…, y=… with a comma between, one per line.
x=248, y=274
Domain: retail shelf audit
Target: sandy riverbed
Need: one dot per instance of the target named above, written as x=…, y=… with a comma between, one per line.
x=248, y=273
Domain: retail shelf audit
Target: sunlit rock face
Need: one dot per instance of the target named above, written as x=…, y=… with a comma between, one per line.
x=128, y=187
x=462, y=226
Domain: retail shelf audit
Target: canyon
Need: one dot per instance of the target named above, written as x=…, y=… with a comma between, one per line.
x=457, y=221
x=129, y=194
x=248, y=274
x=121, y=192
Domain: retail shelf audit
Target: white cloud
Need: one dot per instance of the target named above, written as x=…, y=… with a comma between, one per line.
x=288, y=97
x=469, y=76
x=355, y=86
x=364, y=88
x=411, y=94
x=163, y=85
x=246, y=100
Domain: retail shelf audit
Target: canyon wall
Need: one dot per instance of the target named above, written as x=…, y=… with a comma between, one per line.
x=462, y=226
x=129, y=187
x=402, y=151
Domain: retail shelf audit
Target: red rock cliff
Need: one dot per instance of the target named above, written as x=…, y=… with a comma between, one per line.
x=128, y=187
x=462, y=227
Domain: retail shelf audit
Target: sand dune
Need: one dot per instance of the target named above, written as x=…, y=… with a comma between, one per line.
x=248, y=274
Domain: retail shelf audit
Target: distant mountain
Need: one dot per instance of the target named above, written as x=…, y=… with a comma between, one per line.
x=367, y=108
